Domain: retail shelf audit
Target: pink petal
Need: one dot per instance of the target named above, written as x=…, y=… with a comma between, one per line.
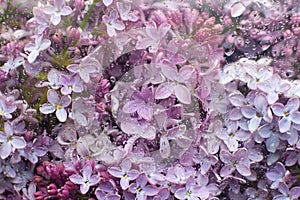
x=186, y=72
x=163, y=91
x=183, y=94
x=145, y=112
x=131, y=107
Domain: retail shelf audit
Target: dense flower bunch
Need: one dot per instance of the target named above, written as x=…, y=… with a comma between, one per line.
x=147, y=99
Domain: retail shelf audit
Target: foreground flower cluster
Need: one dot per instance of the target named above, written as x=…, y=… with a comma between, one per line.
x=150, y=100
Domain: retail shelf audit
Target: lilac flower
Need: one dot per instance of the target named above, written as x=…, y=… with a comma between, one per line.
x=113, y=23
x=53, y=79
x=141, y=189
x=153, y=36
x=39, y=45
x=288, y=194
x=125, y=12
x=176, y=77
x=277, y=175
x=125, y=173
x=9, y=141
x=86, y=180
x=236, y=161
x=6, y=169
x=56, y=104
x=57, y=10
x=41, y=19
x=192, y=191
x=179, y=174
x=141, y=128
x=70, y=83
x=7, y=106
x=261, y=111
x=12, y=63
x=142, y=103
x=288, y=113
x=258, y=75
x=87, y=66
x=33, y=150
x=274, y=86
x=107, y=191
x=231, y=136
x=205, y=160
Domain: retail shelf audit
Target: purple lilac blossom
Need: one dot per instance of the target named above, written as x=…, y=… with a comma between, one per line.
x=9, y=141
x=288, y=113
x=113, y=23
x=86, y=180
x=57, y=105
x=39, y=45
x=57, y=10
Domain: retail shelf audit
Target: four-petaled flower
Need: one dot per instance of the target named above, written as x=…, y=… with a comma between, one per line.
x=125, y=173
x=288, y=113
x=142, y=189
x=142, y=103
x=176, y=84
x=39, y=45
x=152, y=36
x=56, y=104
x=113, y=23
x=57, y=10
x=86, y=180
x=235, y=161
x=9, y=141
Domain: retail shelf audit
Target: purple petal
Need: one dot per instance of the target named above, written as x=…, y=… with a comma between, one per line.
x=243, y=169
x=84, y=188
x=254, y=124
x=145, y=112
x=65, y=101
x=183, y=94
x=292, y=105
x=77, y=179
x=295, y=117
x=163, y=91
x=278, y=109
x=150, y=190
x=116, y=172
x=53, y=97
x=94, y=180
x=32, y=56
x=169, y=71
x=18, y=142
x=66, y=10
x=248, y=111
x=226, y=170
x=124, y=182
x=47, y=108
x=61, y=114
x=186, y=72
x=87, y=172
x=55, y=18
x=5, y=150
x=107, y=2
x=73, y=68
x=272, y=97
x=181, y=193
x=3, y=137
x=284, y=125
x=8, y=128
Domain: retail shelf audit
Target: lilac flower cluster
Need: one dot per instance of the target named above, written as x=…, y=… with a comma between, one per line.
x=149, y=100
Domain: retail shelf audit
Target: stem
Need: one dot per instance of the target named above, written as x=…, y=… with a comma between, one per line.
x=87, y=16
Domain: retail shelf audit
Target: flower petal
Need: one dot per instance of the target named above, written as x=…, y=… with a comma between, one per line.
x=163, y=91
x=18, y=142
x=183, y=94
